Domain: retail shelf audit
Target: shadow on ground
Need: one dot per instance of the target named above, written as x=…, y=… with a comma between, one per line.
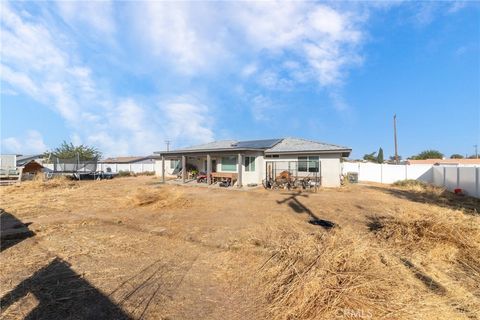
x=62, y=294
x=424, y=278
x=296, y=205
x=446, y=199
x=12, y=230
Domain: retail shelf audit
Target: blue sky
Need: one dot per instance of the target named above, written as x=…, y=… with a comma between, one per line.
x=127, y=76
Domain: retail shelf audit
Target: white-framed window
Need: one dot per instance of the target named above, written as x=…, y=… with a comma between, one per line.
x=174, y=163
x=249, y=163
x=229, y=163
x=308, y=164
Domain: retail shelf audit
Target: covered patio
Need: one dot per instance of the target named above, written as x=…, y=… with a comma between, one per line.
x=218, y=166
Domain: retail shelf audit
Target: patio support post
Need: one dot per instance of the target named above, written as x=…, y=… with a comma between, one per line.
x=184, y=169
x=239, y=181
x=209, y=169
x=163, y=168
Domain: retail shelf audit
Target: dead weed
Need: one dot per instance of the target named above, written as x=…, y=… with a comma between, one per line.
x=157, y=197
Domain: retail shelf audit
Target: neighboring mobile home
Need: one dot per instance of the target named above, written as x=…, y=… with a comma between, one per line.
x=253, y=161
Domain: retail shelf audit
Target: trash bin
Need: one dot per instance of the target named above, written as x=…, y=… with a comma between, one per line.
x=352, y=177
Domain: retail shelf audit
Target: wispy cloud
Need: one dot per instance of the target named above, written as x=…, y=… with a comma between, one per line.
x=187, y=121
x=311, y=35
x=35, y=64
x=456, y=6
x=38, y=62
x=261, y=106
x=275, y=46
x=30, y=142
x=206, y=36
x=426, y=12
x=189, y=35
x=97, y=15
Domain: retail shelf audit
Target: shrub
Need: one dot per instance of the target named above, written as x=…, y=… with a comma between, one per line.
x=409, y=183
x=146, y=173
x=421, y=187
x=122, y=173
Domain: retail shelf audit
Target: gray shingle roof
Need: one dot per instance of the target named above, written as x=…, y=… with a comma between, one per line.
x=285, y=145
x=302, y=145
x=221, y=144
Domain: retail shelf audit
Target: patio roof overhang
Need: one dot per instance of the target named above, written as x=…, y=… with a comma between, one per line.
x=344, y=152
x=204, y=152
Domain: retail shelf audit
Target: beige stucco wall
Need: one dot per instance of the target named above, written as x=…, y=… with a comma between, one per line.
x=329, y=163
x=330, y=167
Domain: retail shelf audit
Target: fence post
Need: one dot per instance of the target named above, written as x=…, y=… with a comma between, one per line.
x=406, y=172
x=381, y=172
x=458, y=176
x=444, y=177
x=477, y=181
x=163, y=168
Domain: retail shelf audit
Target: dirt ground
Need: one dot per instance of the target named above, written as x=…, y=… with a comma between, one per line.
x=131, y=248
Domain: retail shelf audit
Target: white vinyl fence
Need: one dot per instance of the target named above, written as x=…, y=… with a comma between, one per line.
x=117, y=167
x=8, y=161
x=132, y=167
x=466, y=178
x=388, y=173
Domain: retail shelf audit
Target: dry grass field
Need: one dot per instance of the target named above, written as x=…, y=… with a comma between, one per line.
x=131, y=248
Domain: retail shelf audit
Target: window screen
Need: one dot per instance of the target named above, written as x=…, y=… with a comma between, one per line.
x=308, y=164
x=313, y=164
x=302, y=164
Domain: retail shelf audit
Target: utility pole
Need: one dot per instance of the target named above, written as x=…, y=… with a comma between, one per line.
x=395, y=137
x=476, y=151
x=168, y=144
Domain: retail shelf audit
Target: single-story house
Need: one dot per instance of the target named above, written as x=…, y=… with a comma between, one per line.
x=254, y=161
